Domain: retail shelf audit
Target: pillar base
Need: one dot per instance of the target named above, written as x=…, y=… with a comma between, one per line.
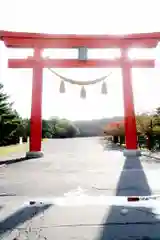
x=132, y=153
x=30, y=155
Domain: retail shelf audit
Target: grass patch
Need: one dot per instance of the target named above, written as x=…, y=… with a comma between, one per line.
x=14, y=149
x=44, y=139
x=7, y=150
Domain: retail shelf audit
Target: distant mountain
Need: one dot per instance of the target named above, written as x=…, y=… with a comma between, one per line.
x=94, y=127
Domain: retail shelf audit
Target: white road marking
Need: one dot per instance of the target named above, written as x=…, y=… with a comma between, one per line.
x=86, y=200
x=80, y=197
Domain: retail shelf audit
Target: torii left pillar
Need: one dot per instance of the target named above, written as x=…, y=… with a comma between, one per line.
x=36, y=108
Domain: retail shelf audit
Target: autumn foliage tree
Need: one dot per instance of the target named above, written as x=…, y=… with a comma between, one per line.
x=114, y=129
x=148, y=126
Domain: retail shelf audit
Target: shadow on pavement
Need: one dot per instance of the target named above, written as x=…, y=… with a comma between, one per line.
x=20, y=217
x=139, y=222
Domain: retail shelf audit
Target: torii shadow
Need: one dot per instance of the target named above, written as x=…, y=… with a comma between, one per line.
x=19, y=217
x=140, y=222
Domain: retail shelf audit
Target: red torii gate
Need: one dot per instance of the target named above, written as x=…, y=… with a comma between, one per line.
x=39, y=42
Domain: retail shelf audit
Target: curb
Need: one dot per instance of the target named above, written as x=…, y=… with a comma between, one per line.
x=7, y=162
x=151, y=156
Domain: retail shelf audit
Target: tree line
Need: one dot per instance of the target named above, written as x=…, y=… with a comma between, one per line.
x=13, y=126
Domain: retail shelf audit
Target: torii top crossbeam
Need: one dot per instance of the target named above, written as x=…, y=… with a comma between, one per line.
x=42, y=41
x=30, y=40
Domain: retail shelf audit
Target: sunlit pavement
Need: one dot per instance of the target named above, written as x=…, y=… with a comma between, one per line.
x=73, y=190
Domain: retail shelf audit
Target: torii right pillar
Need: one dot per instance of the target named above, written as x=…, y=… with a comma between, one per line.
x=129, y=112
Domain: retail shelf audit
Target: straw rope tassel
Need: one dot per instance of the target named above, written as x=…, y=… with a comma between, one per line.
x=83, y=92
x=104, y=88
x=62, y=87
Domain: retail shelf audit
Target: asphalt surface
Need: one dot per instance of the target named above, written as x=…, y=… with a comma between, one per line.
x=75, y=185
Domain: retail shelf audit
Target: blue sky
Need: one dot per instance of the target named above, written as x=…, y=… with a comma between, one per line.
x=81, y=17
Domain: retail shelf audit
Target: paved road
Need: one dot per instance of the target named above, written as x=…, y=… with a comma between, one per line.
x=67, y=165
x=77, y=181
